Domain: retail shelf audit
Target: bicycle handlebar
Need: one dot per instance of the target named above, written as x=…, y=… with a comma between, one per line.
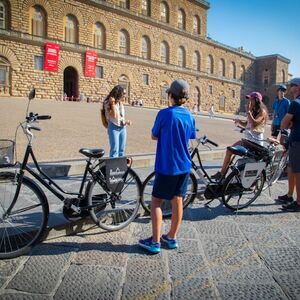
x=34, y=117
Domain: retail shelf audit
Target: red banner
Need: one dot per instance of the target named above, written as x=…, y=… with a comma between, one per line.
x=51, y=57
x=90, y=63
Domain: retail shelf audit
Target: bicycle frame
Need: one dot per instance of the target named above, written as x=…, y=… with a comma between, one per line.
x=56, y=190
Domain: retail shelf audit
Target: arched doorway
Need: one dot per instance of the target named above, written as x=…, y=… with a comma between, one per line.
x=124, y=82
x=71, y=83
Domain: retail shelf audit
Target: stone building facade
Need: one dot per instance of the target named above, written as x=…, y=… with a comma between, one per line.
x=141, y=44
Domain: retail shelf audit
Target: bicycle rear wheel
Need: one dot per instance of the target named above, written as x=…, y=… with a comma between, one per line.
x=115, y=211
x=24, y=225
x=166, y=205
x=275, y=169
x=235, y=196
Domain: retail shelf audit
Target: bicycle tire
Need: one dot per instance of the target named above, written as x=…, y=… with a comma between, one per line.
x=24, y=227
x=232, y=186
x=273, y=173
x=166, y=205
x=111, y=218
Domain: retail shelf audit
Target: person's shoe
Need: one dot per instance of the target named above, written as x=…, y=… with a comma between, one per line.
x=217, y=177
x=149, y=245
x=294, y=206
x=285, y=199
x=171, y=243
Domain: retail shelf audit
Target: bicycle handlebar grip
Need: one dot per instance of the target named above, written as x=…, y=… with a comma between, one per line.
x=213, y=143
x=43, y=117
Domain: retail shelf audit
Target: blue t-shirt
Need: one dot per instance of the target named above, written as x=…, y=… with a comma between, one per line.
x=280, y=108
x=173, y=127
x=295, y=111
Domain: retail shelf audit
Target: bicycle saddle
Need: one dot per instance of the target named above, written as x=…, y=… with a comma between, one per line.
x=238, y=150
x=95, y=153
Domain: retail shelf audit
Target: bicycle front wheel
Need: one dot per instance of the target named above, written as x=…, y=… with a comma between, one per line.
x=115, y=211
x=166, y=205
x=235, y=196
x=275, y=169
x=23, y=226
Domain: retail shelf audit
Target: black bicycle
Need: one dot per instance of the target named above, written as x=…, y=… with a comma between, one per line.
x=109, y=193
x=240, y=186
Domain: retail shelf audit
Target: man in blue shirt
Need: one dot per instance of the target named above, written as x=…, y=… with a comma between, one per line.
x=280, y=108
x=173, y=128
x=292, y=120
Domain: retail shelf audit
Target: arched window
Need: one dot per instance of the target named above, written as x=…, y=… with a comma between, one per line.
x=99, y=36
x=196, y=25
x=4, y=14
x=243, y=73
x=181, y=57
x=181, y=19
x=164, y=12
x=164, y=52
x=4, y=76
x=222, y=67
x=124, y=4
x=163, y=93
x=209, y=64
x=124, y=42
x=196, y=61
x=196, y=99
x=71, y=29
x=146, y=53
x=146, y=7
x=266, y=77
x=232, y=71
x=283, y=76
x=38, y=21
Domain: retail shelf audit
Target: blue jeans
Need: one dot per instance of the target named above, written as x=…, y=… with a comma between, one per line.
x=117, y=139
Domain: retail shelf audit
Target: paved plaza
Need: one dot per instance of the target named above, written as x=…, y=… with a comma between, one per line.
x=254, y=254
x=76, y=125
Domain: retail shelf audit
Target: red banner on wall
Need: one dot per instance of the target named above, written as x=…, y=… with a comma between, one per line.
x=51, y=57
x=90, y=63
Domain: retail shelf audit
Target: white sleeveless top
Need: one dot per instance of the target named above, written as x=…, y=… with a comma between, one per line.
x=120, y=119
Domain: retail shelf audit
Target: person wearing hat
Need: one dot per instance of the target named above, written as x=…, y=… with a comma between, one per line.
x=257, y=116
x=280, y=108
x=292, y=120
x=173, y=128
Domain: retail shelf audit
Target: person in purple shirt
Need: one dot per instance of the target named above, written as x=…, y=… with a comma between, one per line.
x=173, y=128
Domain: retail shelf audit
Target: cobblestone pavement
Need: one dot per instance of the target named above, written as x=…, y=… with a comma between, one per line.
x=254, y=254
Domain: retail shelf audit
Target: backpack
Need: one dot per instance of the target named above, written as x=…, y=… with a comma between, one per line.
x=103, y=117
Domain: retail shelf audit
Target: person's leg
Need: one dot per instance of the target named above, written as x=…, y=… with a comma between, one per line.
x=177, y=213
x=113, y=136
x=291, y=182
x=156, y=218
x=297, y=181
x=226, y=162
x=122, y=141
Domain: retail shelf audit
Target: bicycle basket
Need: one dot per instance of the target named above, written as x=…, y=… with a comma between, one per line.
x=6, y=153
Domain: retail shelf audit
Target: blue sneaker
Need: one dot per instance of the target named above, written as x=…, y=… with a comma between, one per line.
x=171, y=243
x=149, y=245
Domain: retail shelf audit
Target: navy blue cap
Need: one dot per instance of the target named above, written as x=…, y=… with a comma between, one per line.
x=282, y=87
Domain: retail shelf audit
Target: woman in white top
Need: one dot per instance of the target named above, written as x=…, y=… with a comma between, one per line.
x=257, y=116
x=115, y=115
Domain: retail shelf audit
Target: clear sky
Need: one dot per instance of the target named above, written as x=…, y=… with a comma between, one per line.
x=262, y=27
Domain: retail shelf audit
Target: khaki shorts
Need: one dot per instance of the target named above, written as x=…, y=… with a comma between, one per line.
x=294, y=157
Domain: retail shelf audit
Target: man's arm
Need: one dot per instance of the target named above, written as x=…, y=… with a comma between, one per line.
x=286, y=121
